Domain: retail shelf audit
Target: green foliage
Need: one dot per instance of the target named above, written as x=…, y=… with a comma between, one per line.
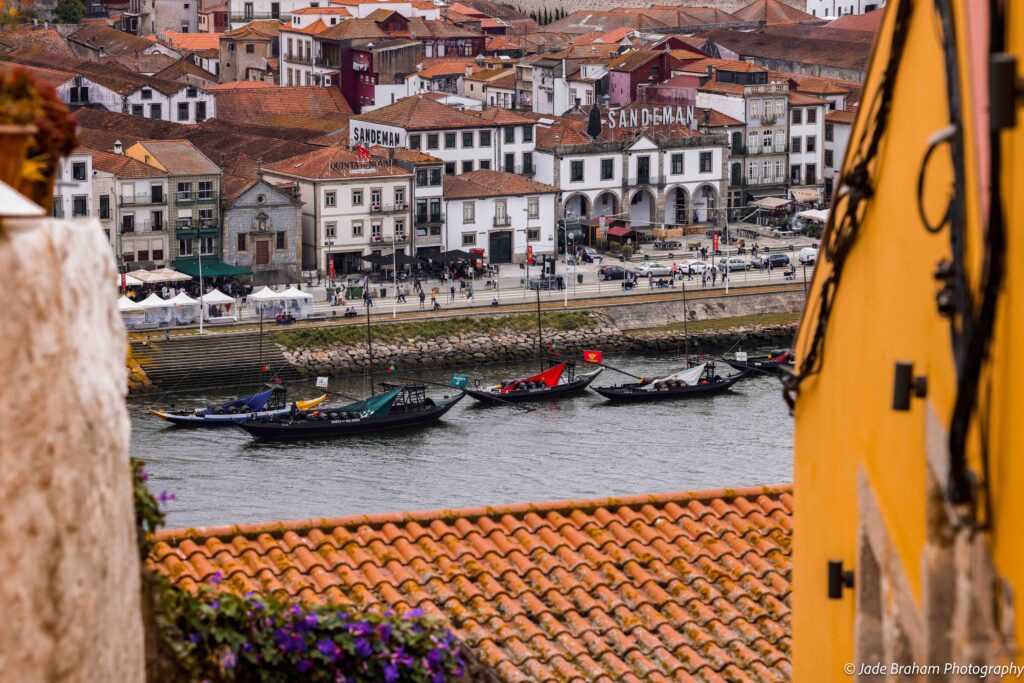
x=628, y=251
x=219, y=636
x=148, y=515
x=321, y=337
x=601, y=244
x=614, y=247
x=70, y=11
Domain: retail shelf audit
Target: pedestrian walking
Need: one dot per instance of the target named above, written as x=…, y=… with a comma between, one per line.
x=704, y=278
x=469, y=293
x=451, y=291
x=725, y=274
x=434, y=306
x=462, y=286
x=423, y=297
x=714, y=275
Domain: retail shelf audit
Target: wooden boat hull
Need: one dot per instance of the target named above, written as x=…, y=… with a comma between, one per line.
x=228, y=419
x=576, y=386
x=282, y=429
x=764, y=366
x=628, y=393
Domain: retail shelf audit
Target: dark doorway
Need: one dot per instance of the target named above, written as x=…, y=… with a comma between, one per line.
x=500, y=247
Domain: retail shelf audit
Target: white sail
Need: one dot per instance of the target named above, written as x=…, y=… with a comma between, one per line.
x=689, y=377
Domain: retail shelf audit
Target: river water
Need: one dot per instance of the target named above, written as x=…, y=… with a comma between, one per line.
x=579, y=447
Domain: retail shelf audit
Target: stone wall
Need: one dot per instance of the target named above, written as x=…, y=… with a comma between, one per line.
x=657, y=313
x=69, y=597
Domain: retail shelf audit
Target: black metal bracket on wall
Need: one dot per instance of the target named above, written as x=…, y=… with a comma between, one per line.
x=838, y=579
x=905, y=385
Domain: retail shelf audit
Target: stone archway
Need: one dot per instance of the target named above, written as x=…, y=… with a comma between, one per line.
x=677, y=207
x=705, y=201
x=641, y=209
x=606, y=204
x=576, y=207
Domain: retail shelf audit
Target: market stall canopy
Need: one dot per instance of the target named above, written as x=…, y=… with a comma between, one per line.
x=377, y=259
x=212, y=267
x=153, y=301
x=293, y=293
x=771, y=202
x=621, y=232
x=216, y=297
x=815, y=215
x=129, y=281
x=806, y=195
x=126, y=305
x=456, y=255
x=406, y=260
x=267, y=294
x=183, y=299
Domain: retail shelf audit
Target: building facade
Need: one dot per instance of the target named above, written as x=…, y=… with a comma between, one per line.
x=73, y=188
x=263, y=232
x=806, y=147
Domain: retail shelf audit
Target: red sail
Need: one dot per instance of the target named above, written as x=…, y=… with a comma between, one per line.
x=550, y=377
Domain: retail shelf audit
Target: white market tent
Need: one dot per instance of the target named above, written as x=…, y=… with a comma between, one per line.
x=300, y=304
x=771, y=202
x=152, y=277
x=814, y=215
x=133, y=314
x=186, y=309
x=129, y=281
x=159, y=312
x=216, y=303
x=269, y=301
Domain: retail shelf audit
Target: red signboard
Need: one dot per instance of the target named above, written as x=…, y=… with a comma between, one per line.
x=716, y=241
x=529, y=255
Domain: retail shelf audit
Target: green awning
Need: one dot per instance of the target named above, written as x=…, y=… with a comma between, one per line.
x=212, y=267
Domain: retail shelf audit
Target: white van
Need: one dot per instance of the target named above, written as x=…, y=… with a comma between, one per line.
x=808, y=255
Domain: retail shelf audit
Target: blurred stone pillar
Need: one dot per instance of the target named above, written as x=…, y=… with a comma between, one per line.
x=69, y=598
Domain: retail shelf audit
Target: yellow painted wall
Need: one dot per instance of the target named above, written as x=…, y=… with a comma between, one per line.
x=885, y=312
x=139, y=152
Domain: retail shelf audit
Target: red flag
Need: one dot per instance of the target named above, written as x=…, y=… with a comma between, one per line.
x=363, y=152
x=124, y=281
x=716, y=241
x=264, y=368
x=529, y=255
x=330, y=268
x=593, y=356
x=550, y=377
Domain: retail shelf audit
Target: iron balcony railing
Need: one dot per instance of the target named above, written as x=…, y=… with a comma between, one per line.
x=137, y=199
x=502, y=221
x=432, y=219
x=143, y=226
x=649, y=179
x=299, y=58
x=389, y=208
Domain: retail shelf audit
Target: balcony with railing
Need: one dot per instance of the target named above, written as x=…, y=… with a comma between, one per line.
x=327, y=62
x=299, y=58
x=428, y=219
x=259, y=16
x=139, y=199
x=143, y=226
x=502, y=221
x=527, y=171
x=389, y=208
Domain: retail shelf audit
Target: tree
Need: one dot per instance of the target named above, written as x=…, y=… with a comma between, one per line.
x=70, y=11
x=533, y=15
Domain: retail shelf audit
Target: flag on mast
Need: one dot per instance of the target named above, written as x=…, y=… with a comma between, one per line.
x=593, y=356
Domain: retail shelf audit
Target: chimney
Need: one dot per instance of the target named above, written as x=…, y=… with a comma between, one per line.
x=118, y=147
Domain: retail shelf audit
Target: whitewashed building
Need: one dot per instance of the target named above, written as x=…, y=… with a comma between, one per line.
x=838, y=8
x=73, y=186
x=806, y=148
x=351, y=206
x=503, y=214
x=838, y=126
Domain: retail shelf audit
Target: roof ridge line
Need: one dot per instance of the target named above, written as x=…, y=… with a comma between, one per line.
x=273, y=528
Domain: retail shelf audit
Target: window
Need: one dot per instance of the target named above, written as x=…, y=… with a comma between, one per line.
x=250, y=49
x=414, y=142
x=79, y=93
x=184, y=247
x=157, y=193
x=449, y=140
x=527, y=162
x=281, y=241
x=78, y=205
x=467, y=138
x=78, y=171
x=331, y=198
x=828, y=158
x=812, y=115
x=242, y=246
x=467, y=166
x=608, y=169
x=533, y=207
x=830, y=132
x=501, y=212
x=206, y=189
x=400, y=229
x=191, y=92
x=357, y=197
x=533, y=234
x=400, y=196
x=147, y=94
x=779, y=170
x=677, y=164
x=375, y=232
x=421, y=177
x=206, y=246
x=811, y=173
x=752, y=142
x=435, y=176
x=431, y=140
x=104, y=206
x=435, y=210
x=200, y=112
x=357, y=228
x=375, y=195
x=231, y=48
x=128, y=223
x=184, y=192
x=206, y=218
x=705, y=162
x=156, y=111
x=485, y=138
x=752, y=172
x=528, y=133
x=510, y=162
x=469, y=212
x=485, y=164
x=766, y=139
x=576, y=171
x=183, y=111
x=510, y=134
x=797, y=117
x=794, y=174
x=796, y=145
x=812, y=143
x=449, y=168
x=330, y=229
x=766, y=170
x=755, y=109
x=468, y=239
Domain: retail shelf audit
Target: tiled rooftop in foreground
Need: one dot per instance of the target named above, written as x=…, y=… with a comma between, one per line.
x=668, y=587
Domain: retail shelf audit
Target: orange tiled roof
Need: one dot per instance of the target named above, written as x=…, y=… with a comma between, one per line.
x=799, y=100
x=445, y=67
x=724, y=88
x=702, y=64
x=191, y=41
x=869, y=21
x=712, y=118
x=340, y=11
x=419, y=112
x=841, y=116
x=241, y=85
x=315, y=28
x=772, y=12
x=684, y=586
x=329, y=163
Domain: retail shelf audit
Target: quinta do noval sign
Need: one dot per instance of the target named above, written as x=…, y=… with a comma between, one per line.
x=648, y=116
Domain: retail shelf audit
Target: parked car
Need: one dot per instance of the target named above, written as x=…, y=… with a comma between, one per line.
x=808, y=256
x=652, y=268
x=590, y=255
x=552, y=282
x=611, y=273
x=733, y=263
x=695, y=266
x=777, y=260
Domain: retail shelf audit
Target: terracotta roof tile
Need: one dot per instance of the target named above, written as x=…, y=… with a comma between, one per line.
x=633, y=60
x=50, y=77
x=190, y=41
x=26, y=40
x=320, y=164
x=800, y=100
x=869, y=21
x=772, y=12
x=486, y=183
x=122, y=166
x=841, y=116
x=337, y=11
x=180, y=157
x=445, y=67
x=685, y=586
x=241, y=85
x=702, y=65
x=712, y=118
x=313, y=107
x=505, y=117
x=413, y=155
x=725, y=88
x=110, y=40
x=419, y=112
x=261, y=29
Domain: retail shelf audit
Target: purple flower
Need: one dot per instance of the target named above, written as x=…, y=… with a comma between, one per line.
x=390, y=673
x=342, y=615
x=143, y=475
x=296, y=610
x=304, y=665
x=194, y=638
x=359, y=629
x=217, y=578
x=363, y=648
x=328, y=649
x=296, y=643
x=215, y=605
x=438, y=677
x=311, y=620
x=415, y=613
x=401, y=657
x=435, y=658
x=229, y=660
x=384, y=631
x=166, y=496
x=247, y=646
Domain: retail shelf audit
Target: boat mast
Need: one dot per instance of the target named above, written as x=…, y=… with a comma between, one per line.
x=369, y=344
x=540, y=341
x=686, y=333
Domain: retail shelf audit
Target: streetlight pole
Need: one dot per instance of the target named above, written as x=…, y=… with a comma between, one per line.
x=394, y=275
x=200, y=257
